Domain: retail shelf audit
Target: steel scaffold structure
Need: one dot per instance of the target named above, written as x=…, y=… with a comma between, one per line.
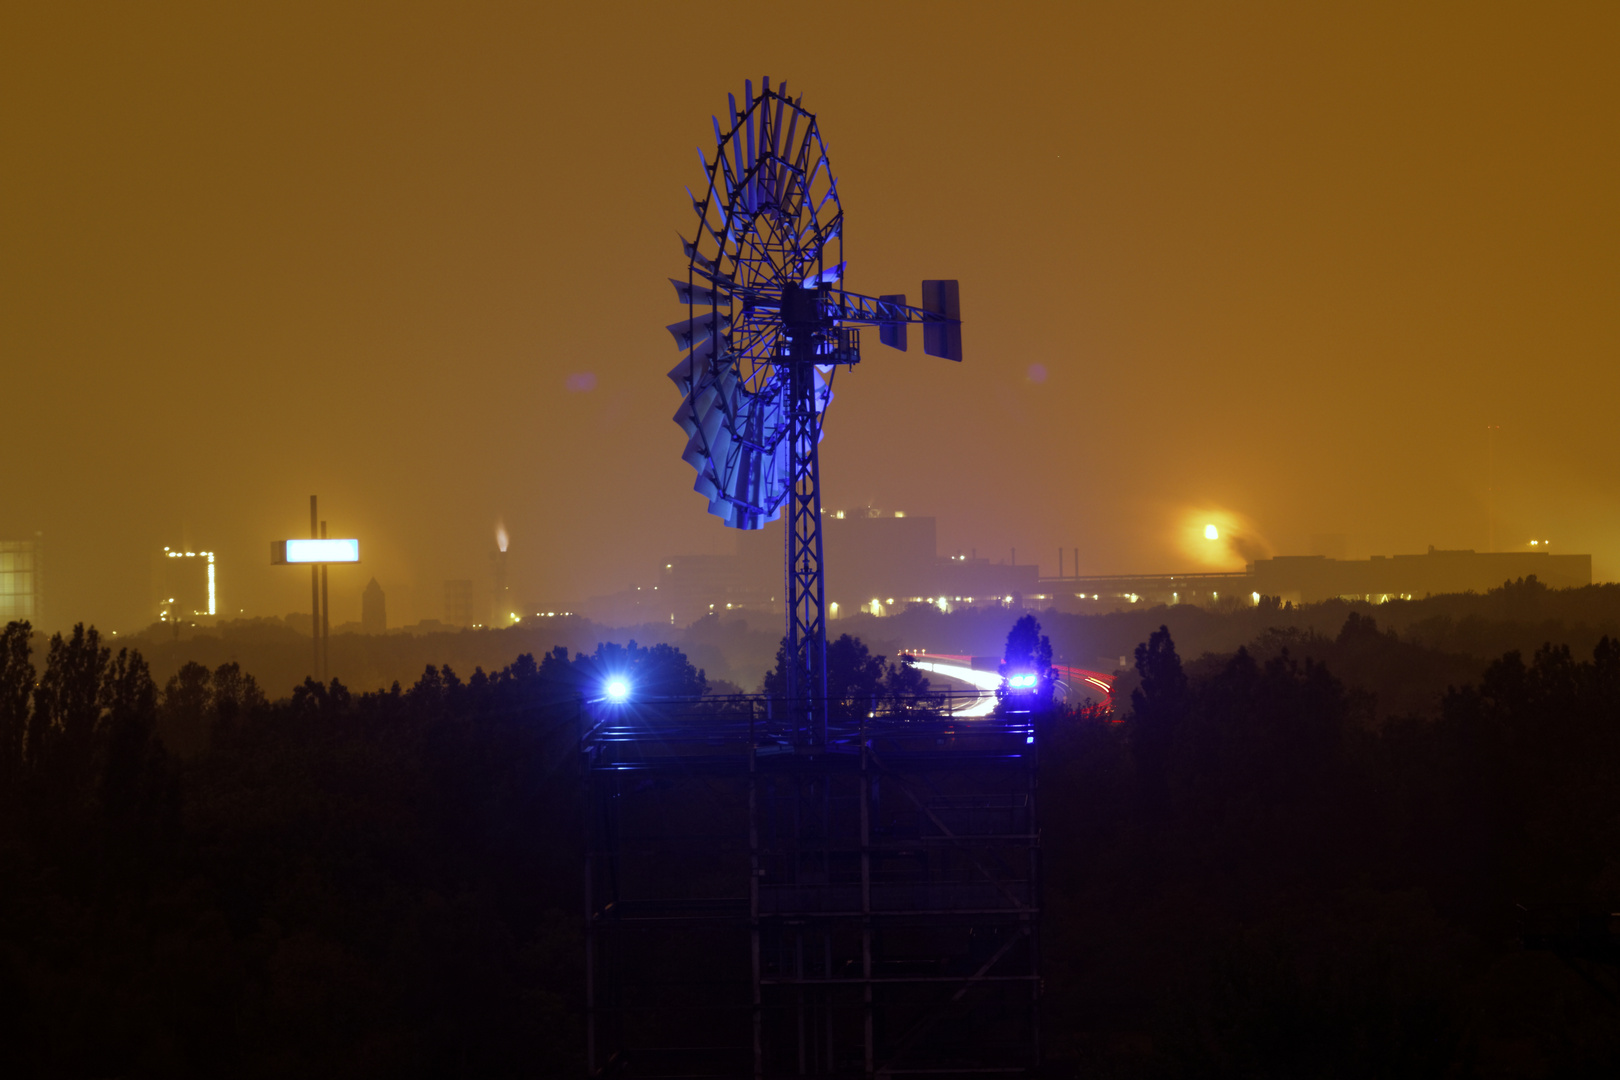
x=868, y=906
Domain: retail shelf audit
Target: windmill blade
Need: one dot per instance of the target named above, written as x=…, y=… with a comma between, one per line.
x=698, y=402
x=689, y=332
x=695, y=255
x=719, y=142
x=693, y=368
x=690, y=294
x=701, y=208
x=776, y=127
x=787, y=176
x=825, y=277
x=704, y=266
x=705, y=486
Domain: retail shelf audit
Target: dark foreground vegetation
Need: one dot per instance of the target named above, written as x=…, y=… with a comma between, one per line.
x=1253, y=868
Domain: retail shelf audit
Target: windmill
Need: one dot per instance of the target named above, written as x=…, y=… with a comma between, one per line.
x=768, y=323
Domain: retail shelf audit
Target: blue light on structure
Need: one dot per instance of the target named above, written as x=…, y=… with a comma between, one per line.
x=1021, y=682
x=617, y=690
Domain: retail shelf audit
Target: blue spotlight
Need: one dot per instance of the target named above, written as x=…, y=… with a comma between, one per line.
x=617, y=690
x=1021, y=682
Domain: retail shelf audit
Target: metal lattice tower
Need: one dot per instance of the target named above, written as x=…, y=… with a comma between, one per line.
x=865, y=907
x=768, y=322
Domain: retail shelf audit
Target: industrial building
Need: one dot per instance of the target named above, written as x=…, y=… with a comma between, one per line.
x=21, y=574
x=373, y=609
x=185, y=586
x=877, y=562
x=458, y=602
x=1313, y=578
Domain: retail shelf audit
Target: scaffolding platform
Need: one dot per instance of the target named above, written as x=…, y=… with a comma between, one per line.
x=761, y=905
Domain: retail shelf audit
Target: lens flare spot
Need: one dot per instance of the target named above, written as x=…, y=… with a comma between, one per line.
x=1036, y=373
x=581, y=382
x=1211, y=533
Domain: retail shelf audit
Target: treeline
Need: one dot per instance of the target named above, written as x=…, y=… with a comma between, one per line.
x=1252, y=870
x=199, y=882
x=1249, y=876
x=725, y=648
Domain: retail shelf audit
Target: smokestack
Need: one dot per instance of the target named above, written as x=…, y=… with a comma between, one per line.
x=501, y=608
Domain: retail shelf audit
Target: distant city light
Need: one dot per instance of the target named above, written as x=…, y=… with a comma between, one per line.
x=1211, y=533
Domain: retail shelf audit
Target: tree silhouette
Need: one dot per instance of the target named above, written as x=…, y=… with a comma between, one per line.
x=187, y=700
x=652, y=671
x=67, y=709
x=855, y=677
x=906, y=687
x=1158, y=710
x=1028, y=651
x=16, y=687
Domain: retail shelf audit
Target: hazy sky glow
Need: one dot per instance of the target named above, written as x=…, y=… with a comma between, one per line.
x=1272, y=267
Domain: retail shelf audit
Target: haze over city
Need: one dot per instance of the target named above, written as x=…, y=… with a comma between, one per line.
x=1277, y=266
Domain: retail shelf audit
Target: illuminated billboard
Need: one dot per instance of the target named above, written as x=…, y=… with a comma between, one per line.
x=287, y=552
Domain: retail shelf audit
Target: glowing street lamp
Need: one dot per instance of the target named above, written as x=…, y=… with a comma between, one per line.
x=617, y=690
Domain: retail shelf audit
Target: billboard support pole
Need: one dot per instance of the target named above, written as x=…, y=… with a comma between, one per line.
x=315, y=597
x=326, y=627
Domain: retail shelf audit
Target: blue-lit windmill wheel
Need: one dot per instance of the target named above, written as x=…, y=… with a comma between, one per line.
x=768, y=220
x=768, y=321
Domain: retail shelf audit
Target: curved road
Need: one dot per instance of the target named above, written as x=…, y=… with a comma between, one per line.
x=1078, y=681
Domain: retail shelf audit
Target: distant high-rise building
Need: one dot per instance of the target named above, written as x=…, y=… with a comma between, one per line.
x=185, y=585
x=20, y=574
x=373, y=609
x=458, y=603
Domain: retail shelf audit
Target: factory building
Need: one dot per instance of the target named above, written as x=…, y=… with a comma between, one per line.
x=877, y=562
x=373, y=609
x=1307, y=579
x=21, y=574
x=185, y=586
x=458, y=602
